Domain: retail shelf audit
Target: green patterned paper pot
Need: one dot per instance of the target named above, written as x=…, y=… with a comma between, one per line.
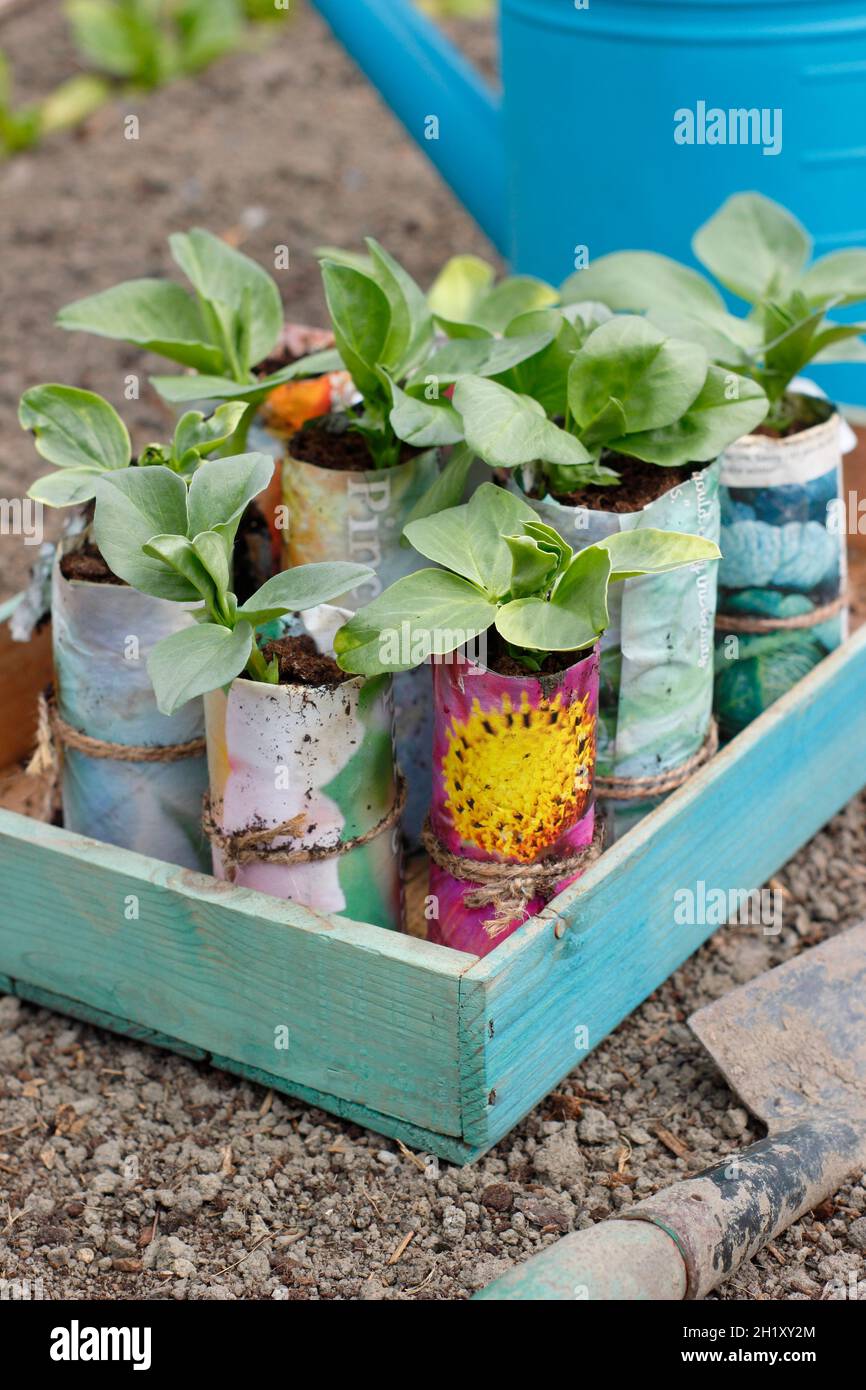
x=782, y=579
x=317, y=761
x=337, y=514
x=656, y=682
x=103, y=634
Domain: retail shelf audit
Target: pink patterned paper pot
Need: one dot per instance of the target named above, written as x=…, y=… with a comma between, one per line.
x=340, y=514
x=513, y=771
x=319, y=761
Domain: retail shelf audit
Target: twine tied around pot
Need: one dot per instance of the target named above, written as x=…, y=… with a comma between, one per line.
x=53, y=735
x=752, y=623
x=643, y=788
x=256, y=844
x=509, y=888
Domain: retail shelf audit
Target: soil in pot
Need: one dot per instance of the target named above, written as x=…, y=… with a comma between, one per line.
x=343, y=450
x=301, y=663
x=87, y=564
x=798, y=413
x=641, y=484
x=503, y=663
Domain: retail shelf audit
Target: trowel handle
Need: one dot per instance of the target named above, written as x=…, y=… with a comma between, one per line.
x=689, y=1237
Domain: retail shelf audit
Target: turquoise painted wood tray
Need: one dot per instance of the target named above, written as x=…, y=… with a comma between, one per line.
x=439, y=1049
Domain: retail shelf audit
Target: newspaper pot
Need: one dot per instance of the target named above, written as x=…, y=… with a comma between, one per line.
x=656, y=682
x=103, y=634
x=334, y=514
x=783, y=544
x=513, y=772
x=321, y=758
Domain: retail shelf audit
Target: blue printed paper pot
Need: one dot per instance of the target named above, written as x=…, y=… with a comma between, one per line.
x=783, y=543
x=103, y=634
x=656, y=682
x=334, y=514
x=319, y=759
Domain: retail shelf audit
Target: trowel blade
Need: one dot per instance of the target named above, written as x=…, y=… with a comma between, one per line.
x=792, y=1042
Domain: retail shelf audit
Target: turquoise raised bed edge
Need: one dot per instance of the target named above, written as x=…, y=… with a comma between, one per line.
x=438, y=1049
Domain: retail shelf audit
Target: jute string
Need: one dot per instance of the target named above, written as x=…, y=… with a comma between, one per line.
x=642, y=788
x=256, y=843
x=750, y=622
x=509, y=888
x=55, y=734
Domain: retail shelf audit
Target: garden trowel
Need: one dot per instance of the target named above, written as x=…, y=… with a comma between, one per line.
x=792, y=1045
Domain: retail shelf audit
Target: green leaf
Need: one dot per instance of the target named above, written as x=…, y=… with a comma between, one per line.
x=582, y=587
x=424, y=423
x=544, y=375
x=507, y=430
x=75, y=429
x=179, y=555
x=649, y=551
x=839, y=276
x=304, y=587
x=654, y=378
x=195, y=660
x=180, y=390
x=460, y=285
x=727, y=340
x=153, y=314
x=215, y=555
x=361, y=319
x=223, y=276
x=203, y=434
x=447, y=489
x=67, y=487
x=533, y=568
x=112, y=38
x=221, y=490
x=133, y=506
x=479, y=357
x=548, y=539
x=411, y=330
x=428, y=613
x=539, y=626
x=755, y=247
x=518, y=294
x=639, y=282
x=469, y=539
x=727, y=407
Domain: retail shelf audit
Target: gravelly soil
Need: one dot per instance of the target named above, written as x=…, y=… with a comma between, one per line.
x=126, y=1172
x=129, y=1173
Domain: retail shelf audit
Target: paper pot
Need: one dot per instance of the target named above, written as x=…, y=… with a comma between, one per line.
x=335, y=515
x=656, y=683
x=323, y=758
x=784, y=557
x=513, y=768
x=103, y=634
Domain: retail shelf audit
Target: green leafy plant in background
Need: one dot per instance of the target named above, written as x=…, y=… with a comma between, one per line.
x=503, y=568
x=384, y=330
x=228, y=321
x=86, y=439
x=175, y=541
x=626, y=389
x=151, y=42
x=70, y=103
x=457, y=9
x=758, y=251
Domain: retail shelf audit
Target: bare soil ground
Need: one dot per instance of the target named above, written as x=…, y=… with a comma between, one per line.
x=126, y=1172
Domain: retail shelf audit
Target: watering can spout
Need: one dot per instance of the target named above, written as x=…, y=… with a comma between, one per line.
x=442, y=101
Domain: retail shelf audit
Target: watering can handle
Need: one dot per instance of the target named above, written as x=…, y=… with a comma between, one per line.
x=689, y=1237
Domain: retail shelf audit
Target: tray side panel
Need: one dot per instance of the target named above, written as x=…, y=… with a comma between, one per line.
x=533, y=1008
x=348, y=1010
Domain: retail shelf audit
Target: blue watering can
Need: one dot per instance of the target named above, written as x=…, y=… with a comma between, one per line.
x=608, y=133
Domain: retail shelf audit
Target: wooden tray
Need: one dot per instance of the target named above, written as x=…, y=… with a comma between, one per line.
x=440, y=1049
